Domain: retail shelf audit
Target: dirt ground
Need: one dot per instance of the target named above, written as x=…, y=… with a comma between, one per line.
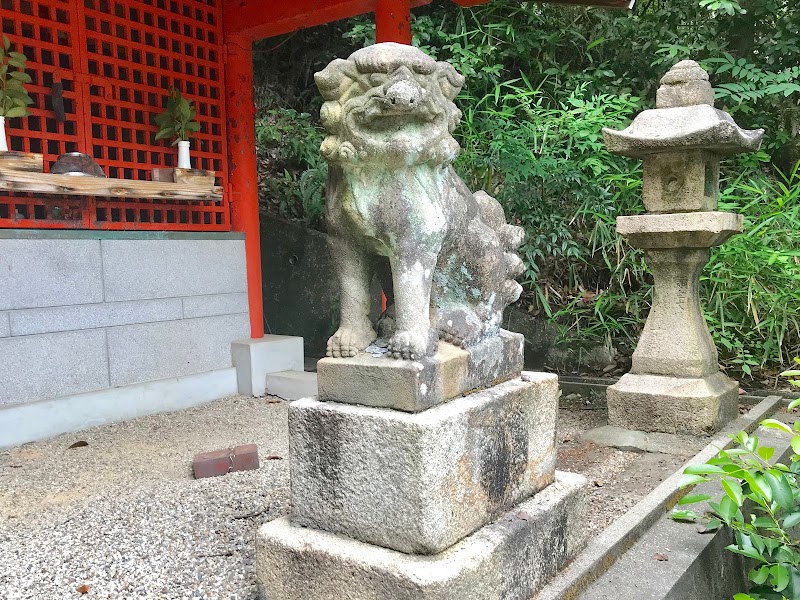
x=618, y=479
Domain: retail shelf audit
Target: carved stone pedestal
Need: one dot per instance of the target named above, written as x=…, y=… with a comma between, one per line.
x=461, y=500
x=413, y=386
x=420, y=482
x=509, y=559
x=675, y=385
x=694, y=405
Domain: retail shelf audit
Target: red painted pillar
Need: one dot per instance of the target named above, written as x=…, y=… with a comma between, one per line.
x=243, y=180
x=392, y=24
x=393, y=21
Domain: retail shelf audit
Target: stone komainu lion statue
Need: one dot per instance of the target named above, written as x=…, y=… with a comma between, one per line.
x=392, y=192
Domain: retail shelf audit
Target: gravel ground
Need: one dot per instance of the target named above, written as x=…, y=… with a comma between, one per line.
x=122, y=517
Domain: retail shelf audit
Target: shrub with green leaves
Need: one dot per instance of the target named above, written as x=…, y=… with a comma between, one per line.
x=541, y=82
x=293, y=170
x=14, y=99
x=793, y=374
x=761, y=505
x=751, y=286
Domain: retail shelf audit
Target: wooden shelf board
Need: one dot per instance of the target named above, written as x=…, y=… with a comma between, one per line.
x=48, y=183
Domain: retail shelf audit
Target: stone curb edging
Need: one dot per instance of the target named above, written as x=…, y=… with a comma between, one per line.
x=618, y=537
x=582, y=385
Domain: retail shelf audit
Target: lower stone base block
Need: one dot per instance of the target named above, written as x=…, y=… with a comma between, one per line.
x=509, y=559
x=420, y=482
x=697, y=406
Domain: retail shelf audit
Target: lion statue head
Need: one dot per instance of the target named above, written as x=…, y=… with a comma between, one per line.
x=392, y=104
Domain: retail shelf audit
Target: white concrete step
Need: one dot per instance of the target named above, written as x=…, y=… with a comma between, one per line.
x=292, y=385
x=254, y=358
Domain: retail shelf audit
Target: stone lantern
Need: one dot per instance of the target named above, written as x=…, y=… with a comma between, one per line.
x=674, y=384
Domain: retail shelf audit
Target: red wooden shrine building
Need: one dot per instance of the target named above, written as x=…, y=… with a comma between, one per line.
x=156, y=257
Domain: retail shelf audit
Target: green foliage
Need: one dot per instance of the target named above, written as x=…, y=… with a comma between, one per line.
x=761, y=505
x=288, y=151
x=793, y=374
x=727, y=7
x=752, y=283
x=541, y=83
x=14, y=99
x=546, y=163
x=750, y=82
x=177, y=120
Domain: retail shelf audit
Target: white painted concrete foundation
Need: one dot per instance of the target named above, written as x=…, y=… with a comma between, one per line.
x=23, y=423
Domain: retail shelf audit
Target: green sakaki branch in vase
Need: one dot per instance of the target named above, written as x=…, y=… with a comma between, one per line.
x=14, y=98
x=177, y=121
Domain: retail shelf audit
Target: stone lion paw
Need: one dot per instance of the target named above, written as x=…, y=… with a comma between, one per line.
x=348, y=342
x=460, y=327
x=409, y=345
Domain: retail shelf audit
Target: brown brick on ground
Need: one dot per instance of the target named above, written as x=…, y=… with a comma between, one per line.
x=245, y=458
x=220, y=462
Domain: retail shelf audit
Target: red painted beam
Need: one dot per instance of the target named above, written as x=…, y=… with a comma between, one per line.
x=258, y=19
x=393, y=21
x=240, y=113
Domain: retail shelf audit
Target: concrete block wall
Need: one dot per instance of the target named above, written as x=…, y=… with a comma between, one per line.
x=83, y=311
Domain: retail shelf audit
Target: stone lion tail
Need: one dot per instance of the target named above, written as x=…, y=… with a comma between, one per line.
x=511, y=237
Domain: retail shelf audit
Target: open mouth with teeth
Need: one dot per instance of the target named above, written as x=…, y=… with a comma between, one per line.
x=382, y=113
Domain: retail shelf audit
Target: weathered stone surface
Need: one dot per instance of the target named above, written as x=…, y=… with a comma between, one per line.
x=292, y=385
x=682, y=230
x=699, y=127
x=255, y=358
x=684, y=181
x=93, y=316
x=37, y=367
x=419, y=482
x=413, y=386
x=393, y=193
x=685, y=84
x=146, y=268
x=507, y=560
x=654, y=442
x=213, y=305
x=697, y=406
x=27, y=422
x=675, y=339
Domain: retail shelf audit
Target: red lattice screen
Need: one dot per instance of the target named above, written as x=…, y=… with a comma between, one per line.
x=116, y=61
